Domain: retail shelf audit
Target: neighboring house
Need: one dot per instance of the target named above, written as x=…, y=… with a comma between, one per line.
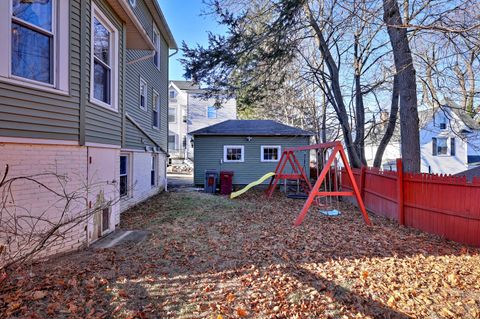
x=70, y=105
x=449, y=142
x=189, y=111
x=249, y=148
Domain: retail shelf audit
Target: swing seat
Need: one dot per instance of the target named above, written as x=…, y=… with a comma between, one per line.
x=298, y=196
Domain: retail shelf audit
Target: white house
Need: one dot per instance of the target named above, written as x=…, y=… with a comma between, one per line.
x=449, y=142
x=188, y=112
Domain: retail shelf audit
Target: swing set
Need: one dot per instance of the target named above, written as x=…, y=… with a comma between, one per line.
x=314, y=193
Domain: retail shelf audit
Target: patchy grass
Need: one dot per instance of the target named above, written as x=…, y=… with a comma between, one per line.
x=210, y=257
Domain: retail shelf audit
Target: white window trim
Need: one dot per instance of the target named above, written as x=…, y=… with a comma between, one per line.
x=61, y=52
x=157, y=107
x=133, y=3
x=216, y=113
x=172, y=107
x=157, y=46
x=142, y=81
x=262, y=159
x=225, y=147
x=101, y=17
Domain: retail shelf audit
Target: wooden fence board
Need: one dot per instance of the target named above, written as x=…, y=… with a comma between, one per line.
x=444, y=205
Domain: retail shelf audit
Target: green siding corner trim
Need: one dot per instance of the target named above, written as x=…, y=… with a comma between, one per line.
x=208, y=154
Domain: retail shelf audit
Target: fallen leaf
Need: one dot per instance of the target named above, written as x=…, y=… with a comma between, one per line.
x=241, y=312
x=230, y=298
x=39, y=294
x=122, y=293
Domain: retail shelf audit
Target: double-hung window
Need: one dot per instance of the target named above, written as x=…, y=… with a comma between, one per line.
x=156, y=110
x=172, y=142
x=124, y=175
x=212, y=112
x=270, y=153
x=156, y=42
x=143, y=94
x=172, y=115
x=439, y=146
x=35, y=43
x=104, y=61
x=233, y=153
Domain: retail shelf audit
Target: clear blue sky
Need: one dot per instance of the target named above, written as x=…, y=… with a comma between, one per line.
x=188, y=23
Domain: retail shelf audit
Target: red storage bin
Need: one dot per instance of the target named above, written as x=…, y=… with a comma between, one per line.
x=226, y=182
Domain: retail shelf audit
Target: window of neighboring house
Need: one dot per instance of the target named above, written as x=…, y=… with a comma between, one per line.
x=439, y=146
x=443, y=126
x=156, y=42
x=156, y=110
x=172, y=115
x=184, y=141
x=171, y=142
x=211, y=112
x=143, y=94
x=452, y=146
x=153, y=172
x=35, y=43
x=172, y=94
x=233, y=153
x=103, y=57
x=184, y=116
x=124, y=175
x=270, y=153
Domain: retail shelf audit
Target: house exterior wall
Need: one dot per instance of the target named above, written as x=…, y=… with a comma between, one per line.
x=139, y=181
x=209, y=155
x=104, y=125
x=137, y=139
x=35, y=113
x=156, y=79
x=391, y=153
x=70, y=161
x=48, y=130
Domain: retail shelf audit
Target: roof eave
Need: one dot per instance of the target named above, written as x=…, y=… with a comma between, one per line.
x=137, y=37
x=154, y=7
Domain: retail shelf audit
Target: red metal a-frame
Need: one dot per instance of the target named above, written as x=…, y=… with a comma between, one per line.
x=288, y=156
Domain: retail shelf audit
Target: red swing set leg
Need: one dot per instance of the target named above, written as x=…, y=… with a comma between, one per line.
x=314, y=192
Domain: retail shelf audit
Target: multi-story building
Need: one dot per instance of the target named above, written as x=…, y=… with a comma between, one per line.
x=83, y=96
x=189, y=111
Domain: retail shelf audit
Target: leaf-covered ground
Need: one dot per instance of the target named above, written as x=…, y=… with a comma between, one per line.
x=210, y=257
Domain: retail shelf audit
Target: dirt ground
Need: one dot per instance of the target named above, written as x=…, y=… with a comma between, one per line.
x=210, y=257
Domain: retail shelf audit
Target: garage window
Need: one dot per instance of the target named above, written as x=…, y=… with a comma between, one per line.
x=270, y=153
x=233, y=153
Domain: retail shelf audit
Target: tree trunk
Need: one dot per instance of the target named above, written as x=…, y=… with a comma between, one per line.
x=410, y=136
x=392, y=120
x=339, y=104
x=359, y=142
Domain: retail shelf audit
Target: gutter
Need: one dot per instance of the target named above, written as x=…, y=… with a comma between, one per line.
x=143, y=58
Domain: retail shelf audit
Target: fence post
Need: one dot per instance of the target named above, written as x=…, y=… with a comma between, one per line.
x=401, y=212
x=362, y=182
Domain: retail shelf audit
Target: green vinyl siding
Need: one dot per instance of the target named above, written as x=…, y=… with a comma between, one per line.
x=101, y=124
x=33, y=113
x=156, y=80
x=208, y=154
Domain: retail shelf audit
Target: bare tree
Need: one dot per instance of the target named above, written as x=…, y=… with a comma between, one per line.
x=27, y=233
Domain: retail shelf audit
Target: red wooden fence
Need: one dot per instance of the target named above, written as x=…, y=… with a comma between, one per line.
x=447, y=206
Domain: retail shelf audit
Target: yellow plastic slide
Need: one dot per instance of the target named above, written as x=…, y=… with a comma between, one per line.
x=257, y=182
